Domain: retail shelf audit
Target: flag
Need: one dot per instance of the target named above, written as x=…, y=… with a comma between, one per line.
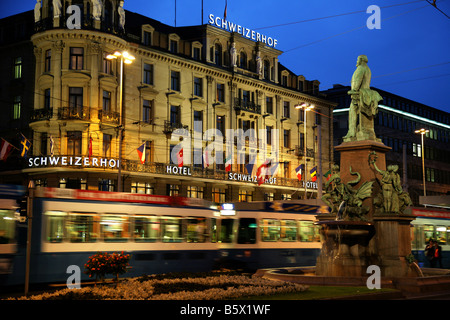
x=261, y=173
x=250, y=166
x=90, y=148
x=299, y=171
x=273, y=169
x=25, y=145
x=206, y=159
x=228, y=163
x=141, y=153
x=313, y=173
x=225, y=11
x=5, y=150
x=327, y=174
x=180, y=158
x=52, y=145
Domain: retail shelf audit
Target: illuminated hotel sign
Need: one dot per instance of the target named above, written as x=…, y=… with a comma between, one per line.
x=73, y=161
x=245, y=32
x=248, y=178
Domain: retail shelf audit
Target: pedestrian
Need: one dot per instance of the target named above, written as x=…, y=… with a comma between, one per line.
x=437, y=254
x=429, y=253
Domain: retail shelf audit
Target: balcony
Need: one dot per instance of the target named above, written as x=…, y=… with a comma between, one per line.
x=244, y=105
x=74, y=113
x=169, y=126
x=108, y=116
x=41, y=114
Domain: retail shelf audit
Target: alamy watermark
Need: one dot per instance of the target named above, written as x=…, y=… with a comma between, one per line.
x=374, y=21
x=374, y=280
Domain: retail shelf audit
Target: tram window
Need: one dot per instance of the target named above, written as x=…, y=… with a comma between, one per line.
x=55, y=231
x=441, y=235
x=226, y=230
x=270, y=230
x=114, y=228
x=196, y=229
x=146, y=229
x=171, y=230
x=247, y=230
x=428, y=232
x=288, y=230
x=7, y=226
x=308, y=232
x=82, y=228
x=213, y=231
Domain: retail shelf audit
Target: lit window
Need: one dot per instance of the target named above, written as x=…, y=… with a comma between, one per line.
x=18, y=68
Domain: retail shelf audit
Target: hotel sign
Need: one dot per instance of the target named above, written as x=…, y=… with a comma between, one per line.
x=245, y=32
x=73, y=161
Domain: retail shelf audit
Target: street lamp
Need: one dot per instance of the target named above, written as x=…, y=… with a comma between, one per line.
x=422, y=132
x=126, y=58
x=305, y=107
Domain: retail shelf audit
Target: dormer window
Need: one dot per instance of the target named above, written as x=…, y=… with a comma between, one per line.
x=173, y=43
x=147, y=35
x=197, y=51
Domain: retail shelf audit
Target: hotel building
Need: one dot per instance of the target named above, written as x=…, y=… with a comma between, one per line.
x=86, y=119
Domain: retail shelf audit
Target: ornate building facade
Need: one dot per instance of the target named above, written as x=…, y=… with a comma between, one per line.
x=190, y=78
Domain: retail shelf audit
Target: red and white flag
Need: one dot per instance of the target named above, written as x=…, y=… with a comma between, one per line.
x=5, y=150
x=180, y=158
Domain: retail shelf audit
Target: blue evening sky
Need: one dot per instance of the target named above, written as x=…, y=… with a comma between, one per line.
x=409, y=56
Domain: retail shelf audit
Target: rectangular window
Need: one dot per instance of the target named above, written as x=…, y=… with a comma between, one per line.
x=226, y=230
x=288, y=230
x=175, y=80
x=47, y=99
x=220, y=95
x=76, y=58
x=198, y=87
x=245, y=195
x=220, y=124
x=286, y=110
x=286, y=140
x=195, y=192
x=147, y=38
x=147, y=111
x=269, y=135
x=173, y=46
x=148, y=73
x=48, y=61
x=75, y=101
x=198, y=120
x=175, y=115
x=55, y=226
x=173, y=190
x=18, y=68
x=114, y=228
x=142, y=187
x=106, y=185
x=74, y=143
x=171, y=229
x=106, y=101
x=146, y=229
x=82, y=228
x=270, y=229
x=107, y=138
x=107, y=64
x=7, y=226
x=308, y=232
x=247, y=231
x=218, y=195
x=269, y=105
x=197, y=54
x=196, y=229
x=17, y=106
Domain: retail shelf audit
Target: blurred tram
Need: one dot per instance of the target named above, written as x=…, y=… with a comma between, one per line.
x=162, y=234
x=430, y=224
x=257, y=235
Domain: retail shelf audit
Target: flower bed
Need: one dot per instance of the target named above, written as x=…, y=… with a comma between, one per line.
x=192, y=288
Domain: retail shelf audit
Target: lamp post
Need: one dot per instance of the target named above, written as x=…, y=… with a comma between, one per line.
x=305, y=107
x=422, y=132
x=126, y=58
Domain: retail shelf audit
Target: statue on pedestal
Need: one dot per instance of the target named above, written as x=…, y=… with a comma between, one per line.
x=364, y=105
x=97, y=9
x=37, y=11
x=57, y=8
x=121, y=12
x=233, y=55
x=392, y=198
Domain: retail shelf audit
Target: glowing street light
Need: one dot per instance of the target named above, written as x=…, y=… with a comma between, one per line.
x=422, y=132
x=305, y=107
x=126, y=58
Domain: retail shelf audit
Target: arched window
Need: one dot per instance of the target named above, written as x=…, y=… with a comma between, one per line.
x=218, y=54
x=267, y=69
x=243, y=60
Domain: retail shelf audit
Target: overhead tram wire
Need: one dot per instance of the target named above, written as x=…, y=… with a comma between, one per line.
x=438, y=9
x=348, y=31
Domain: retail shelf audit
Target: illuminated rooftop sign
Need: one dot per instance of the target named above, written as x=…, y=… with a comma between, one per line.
x=245, y=32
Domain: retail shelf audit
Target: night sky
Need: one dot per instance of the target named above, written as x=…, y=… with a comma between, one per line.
x=409, y=56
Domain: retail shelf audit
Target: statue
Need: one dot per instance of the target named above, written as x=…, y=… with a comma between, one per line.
x=97, y=9
x=37, y=11
x=259, y=69
x=345, y=201
x=233, y=55
x=392, y=198
x=56, y=8
x=364, y=105
x=121, y=12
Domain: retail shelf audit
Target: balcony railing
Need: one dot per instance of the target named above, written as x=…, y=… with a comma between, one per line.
x=41, y=114
x=169, y=126
x=108, y=116
x=244, y=105
x=74, y=113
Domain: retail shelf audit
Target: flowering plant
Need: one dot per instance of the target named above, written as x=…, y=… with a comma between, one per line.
x=103, y=263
